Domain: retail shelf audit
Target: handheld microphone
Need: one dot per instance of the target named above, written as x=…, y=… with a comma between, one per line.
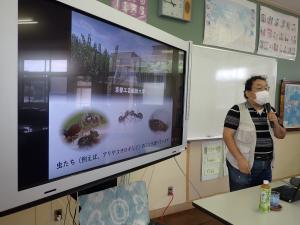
x=269, y=109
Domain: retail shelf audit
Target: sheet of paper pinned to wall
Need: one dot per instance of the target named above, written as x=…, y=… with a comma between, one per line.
x=212, y=159
x=278, y=34
x=230, y=24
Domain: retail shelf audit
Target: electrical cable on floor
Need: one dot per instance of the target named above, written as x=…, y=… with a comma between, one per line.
x=162, y=217
x=193, y=186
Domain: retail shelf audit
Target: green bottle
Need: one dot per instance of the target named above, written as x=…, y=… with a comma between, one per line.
x=265, y=197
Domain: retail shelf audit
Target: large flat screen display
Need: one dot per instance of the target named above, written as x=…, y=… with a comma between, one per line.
x=98, y=93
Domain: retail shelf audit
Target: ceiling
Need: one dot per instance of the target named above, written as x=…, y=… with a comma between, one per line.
x=292, y=6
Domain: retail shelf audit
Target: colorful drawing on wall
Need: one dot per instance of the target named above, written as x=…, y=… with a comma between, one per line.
x=135, y=8
x=278, y=34
x=290, y=105
x=230, y=24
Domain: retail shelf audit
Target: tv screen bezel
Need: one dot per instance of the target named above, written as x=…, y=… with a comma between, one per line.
x=11, y=198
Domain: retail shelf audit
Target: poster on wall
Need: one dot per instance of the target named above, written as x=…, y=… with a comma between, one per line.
x=290, y=104
x=212, y=159
x=135, y=8
x=230, y=24
x=278, y=34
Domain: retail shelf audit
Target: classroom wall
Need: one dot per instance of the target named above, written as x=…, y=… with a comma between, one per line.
x=159, y=176
x=288, y=154
x=44, y=214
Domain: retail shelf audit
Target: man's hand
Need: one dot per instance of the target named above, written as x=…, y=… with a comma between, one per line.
x=228, y=136
x=273, y=118
x=279, y=131
x=243, y=165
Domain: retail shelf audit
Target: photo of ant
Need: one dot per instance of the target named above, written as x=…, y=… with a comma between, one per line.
x=130, y=115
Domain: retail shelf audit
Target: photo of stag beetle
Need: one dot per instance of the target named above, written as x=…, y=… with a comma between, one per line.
x=84, y=129
x=160, y=120
x=89, y=140
x=72, y=133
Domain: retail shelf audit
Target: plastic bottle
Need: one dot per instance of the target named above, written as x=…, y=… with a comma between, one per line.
x=265, y=197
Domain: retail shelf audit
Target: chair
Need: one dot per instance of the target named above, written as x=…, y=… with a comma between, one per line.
x=120, y=205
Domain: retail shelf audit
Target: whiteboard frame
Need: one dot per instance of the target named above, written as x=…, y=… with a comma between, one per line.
x=195, y=64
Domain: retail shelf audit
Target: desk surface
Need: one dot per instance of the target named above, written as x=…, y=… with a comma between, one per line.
x=241, y=208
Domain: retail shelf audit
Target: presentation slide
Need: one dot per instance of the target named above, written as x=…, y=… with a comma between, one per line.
x=109, y=130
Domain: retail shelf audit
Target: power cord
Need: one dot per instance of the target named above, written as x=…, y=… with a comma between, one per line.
x=190, y=182
x=76, y=206
x=162, y=217
x=150, y=179
x=66, y=211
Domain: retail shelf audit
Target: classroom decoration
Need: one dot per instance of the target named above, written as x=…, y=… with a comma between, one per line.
x=278, y=34
x=230, y=24
x=135, y=8
x=290, y=104
x=178, y=9
x=217, y=83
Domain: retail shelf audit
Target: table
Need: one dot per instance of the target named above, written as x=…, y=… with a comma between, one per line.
x=241, y=208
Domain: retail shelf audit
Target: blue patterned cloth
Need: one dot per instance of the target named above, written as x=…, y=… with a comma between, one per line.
x=120, y=205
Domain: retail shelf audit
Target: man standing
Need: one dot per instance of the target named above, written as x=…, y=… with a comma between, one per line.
x=249, y=129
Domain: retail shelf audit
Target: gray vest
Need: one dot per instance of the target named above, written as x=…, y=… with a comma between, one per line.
x=245, y=137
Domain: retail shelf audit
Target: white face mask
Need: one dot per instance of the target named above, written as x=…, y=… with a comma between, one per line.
x=262, y=97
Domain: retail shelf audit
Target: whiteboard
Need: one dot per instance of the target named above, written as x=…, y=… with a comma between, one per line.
x=217, y=83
